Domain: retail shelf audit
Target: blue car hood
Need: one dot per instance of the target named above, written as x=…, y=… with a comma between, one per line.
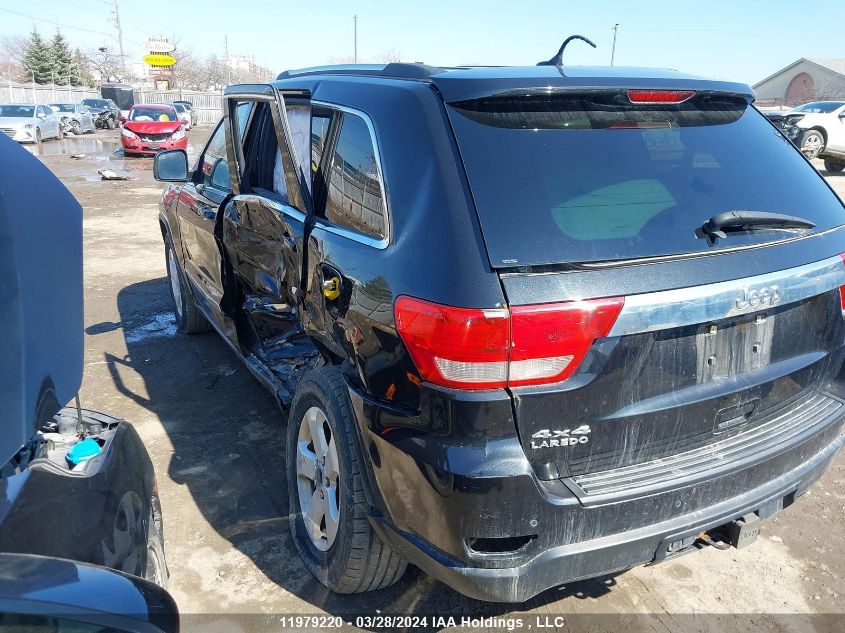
x=41, y=316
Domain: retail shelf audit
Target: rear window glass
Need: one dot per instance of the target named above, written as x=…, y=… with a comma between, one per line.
x=820, y=107
x=594, y=178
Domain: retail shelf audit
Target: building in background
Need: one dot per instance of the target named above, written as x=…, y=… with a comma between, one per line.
x=802, y=81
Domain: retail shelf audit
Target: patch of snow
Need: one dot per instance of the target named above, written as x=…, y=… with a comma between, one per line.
x=158, y=325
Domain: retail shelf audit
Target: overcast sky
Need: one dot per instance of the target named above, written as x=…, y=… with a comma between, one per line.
x=740, y=40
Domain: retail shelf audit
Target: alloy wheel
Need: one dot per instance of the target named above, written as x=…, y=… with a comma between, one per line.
x=813, y=144
x=317, y=478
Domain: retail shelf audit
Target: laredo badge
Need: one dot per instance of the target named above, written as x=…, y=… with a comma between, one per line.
x=557, y=438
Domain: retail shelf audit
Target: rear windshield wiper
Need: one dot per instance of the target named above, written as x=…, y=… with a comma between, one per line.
x=738, y=221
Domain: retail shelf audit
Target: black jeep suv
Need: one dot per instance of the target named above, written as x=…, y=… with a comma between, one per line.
x=530, y=324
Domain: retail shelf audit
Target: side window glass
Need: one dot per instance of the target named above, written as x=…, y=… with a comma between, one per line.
x=319, y=130
x=299, y=125
x=355, y=199
x=244, y=110
x=268, y=169
x=220, y=175
x=214, y=152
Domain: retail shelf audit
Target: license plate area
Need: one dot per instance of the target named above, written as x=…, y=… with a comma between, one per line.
x=734, y=347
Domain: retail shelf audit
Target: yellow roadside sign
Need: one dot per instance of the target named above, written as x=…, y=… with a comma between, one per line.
x=158, y=59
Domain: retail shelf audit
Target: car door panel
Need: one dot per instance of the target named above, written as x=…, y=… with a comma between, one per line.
x=197, y=208
x=349, y=301
x=836, y=132
x=263, y=236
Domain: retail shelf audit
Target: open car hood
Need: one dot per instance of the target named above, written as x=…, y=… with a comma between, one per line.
x=153, y=127
x=41, y=318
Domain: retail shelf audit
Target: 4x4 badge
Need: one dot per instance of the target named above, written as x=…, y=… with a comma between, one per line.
x=557, y=438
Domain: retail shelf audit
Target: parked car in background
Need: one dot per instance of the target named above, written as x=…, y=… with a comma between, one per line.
x=774, y=114
x=105, y=112
x=191, y=109
x=30, y=123
x=183, y=113
x=149, y=129
x=74, y=117
x=77, y=485
x=529, y=326
x=819, y=130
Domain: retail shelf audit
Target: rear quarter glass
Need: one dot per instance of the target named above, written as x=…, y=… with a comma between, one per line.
x=586, y=179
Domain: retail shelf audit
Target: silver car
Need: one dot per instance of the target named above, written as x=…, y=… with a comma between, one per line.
x=29, y=123
x=75, y=117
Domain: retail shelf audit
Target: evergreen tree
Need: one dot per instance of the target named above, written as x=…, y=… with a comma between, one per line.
x=38, y=59
x=64, y=64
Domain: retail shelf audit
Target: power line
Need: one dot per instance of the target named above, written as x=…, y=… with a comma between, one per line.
x=67, y=26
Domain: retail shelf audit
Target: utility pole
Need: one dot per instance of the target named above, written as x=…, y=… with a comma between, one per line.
x=228, y=65
x=119, y=37
x=355, y=21
x=613, y=50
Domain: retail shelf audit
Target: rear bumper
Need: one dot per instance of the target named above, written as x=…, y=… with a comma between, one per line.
x=430, y=513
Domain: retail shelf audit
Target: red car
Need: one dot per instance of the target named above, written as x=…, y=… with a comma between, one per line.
x=151, y=128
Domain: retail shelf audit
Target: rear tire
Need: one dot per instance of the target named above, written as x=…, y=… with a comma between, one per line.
x=812, y=143
x=189, y=320
x=349, y=558
x=834, y=166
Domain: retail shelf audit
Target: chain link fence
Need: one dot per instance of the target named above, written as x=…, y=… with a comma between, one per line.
x=208, y=105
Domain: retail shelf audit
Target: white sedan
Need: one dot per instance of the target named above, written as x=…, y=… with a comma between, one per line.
x=822, y=131
x=29, y=123
x=183, y=114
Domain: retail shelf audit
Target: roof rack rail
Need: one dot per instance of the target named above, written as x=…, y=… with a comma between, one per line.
x=398, y=70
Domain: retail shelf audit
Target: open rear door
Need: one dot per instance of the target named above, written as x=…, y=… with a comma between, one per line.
x=262, y=229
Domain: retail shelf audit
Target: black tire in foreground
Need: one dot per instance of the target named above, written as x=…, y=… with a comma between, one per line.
x=156, y=570
x=324, y=460
x=834, y=165
x=189, y=320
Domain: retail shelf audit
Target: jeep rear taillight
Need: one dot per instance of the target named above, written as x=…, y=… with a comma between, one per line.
x=471, y=348
x=842, y=288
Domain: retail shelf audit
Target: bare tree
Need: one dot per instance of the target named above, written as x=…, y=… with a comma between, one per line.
x=391, y=56
x=105, y=66
x=348, y=59
x=12, y=51
x=828, y=90
x=192, y=72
